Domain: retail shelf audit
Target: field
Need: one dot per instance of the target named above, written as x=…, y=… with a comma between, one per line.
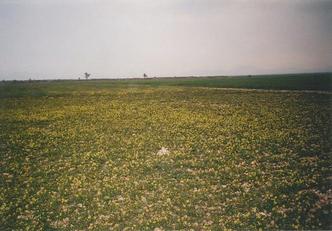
x=164, y=153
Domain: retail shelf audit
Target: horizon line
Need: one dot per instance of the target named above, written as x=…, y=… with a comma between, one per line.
x=165, y=77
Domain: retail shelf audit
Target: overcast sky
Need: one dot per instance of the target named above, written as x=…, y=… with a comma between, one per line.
x=125, y=38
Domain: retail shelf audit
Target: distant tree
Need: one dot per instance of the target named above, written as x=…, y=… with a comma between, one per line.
x=87, y=75
x=145, y=75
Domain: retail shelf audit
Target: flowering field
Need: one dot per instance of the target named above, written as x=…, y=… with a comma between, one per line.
x=167, y=157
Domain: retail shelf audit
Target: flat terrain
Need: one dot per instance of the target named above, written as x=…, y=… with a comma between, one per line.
x=78, y=155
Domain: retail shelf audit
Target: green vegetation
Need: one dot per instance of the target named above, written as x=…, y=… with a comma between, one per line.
x=78, y=155
x=317, y=82
x=322, y=81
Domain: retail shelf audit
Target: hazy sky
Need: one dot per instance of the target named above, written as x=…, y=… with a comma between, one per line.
x=125, y=38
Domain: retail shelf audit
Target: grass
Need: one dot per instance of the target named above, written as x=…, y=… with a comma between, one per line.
x=316, y=82
x=319, y=81
x=83, y=155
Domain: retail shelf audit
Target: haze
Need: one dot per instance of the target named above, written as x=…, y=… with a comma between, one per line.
x=126, y=38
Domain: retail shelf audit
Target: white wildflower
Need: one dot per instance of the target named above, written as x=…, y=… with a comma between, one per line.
x=163, y=151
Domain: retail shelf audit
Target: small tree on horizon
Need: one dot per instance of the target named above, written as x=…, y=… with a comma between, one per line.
x=87, y=75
